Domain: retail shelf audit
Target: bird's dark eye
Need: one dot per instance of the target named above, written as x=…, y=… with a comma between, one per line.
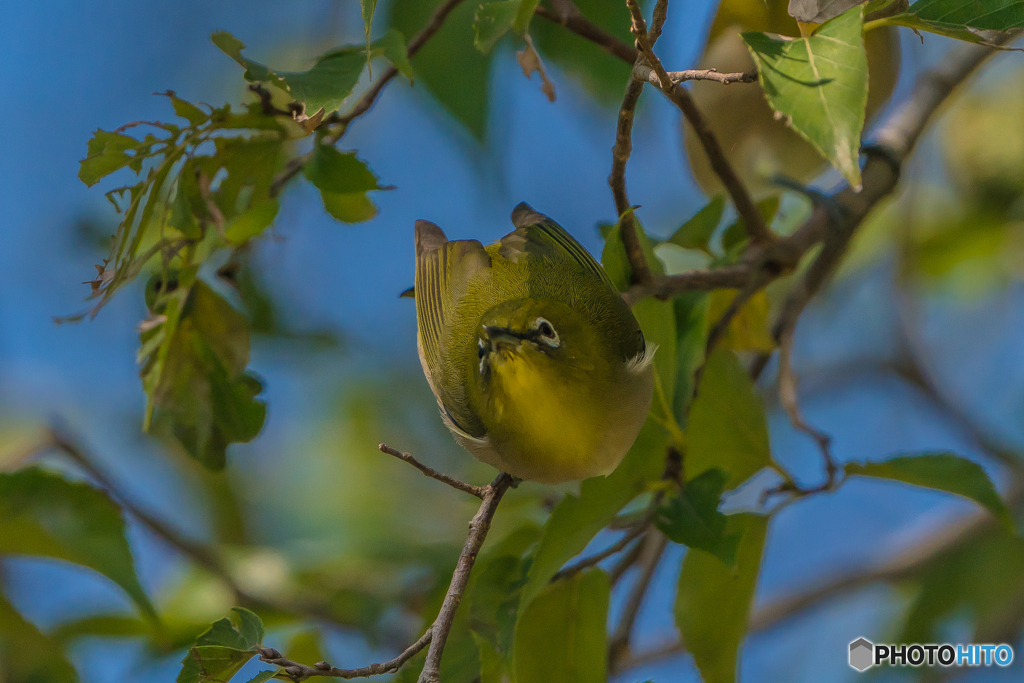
x=546, y=330
x=481, y=350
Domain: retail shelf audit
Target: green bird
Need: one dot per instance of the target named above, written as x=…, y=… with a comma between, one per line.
x=538, y=365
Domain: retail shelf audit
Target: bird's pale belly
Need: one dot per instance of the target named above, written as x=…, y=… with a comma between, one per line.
x=548, y=433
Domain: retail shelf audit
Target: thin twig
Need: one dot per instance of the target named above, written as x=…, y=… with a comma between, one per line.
x=477, y=491
x=478, y=529
x=638, y=529
x=567, y=14
x=648, y=75
x=640, y=269
x=300, y=672
x=741, y=198
x=628, y=559
x=618, y=645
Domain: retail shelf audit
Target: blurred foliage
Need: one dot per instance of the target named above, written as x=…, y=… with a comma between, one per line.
x=355, y=543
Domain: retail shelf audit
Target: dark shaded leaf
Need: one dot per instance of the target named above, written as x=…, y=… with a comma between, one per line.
x=562, y=635
x=940, y=471
x=819, y=83
x=696, y=232
x=692, y=517
x=212, y=664
x=449, y=65
x=194, y=373
x=736, y=234
x=727, y=427
x=602, y=74
x=43, y=514
x=26, y=655
x=713, y=602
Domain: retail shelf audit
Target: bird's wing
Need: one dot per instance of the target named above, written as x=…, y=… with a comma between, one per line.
x=444, y=270
x=537, y=234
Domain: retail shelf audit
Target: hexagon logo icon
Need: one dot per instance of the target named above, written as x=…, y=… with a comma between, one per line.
x=862, y=653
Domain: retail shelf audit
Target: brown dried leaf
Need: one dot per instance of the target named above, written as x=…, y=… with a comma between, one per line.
x=530, y=62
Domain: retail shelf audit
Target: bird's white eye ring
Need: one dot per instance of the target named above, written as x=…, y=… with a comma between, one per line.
x=546, y=332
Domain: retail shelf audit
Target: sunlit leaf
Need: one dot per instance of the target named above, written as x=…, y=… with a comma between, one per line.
x=988, y=15
x=42, y=513
x=368, y=7
x=252, y=223
x=727, y=427
x=940, y=471
x=691, y=518
x=691, y=313
x=108, y=152
x=912, y=21
x=349, y=207
x=562, y=635
x=186, y=110
x=819, y=83
x=524, y=15
x=713, y=601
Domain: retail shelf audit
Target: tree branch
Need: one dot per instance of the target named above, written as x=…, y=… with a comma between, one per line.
x=650, y=555
x=478, y=529
x=567, y=14
x=477, y=491
x=300, y=672
x=640, y=269
x=648, y=75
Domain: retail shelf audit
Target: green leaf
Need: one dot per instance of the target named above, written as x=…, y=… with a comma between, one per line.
x=692, y=517
x=727, y=426
x=713, y=602
x=943, y=472
x=524, y=15
x=196, y=381
x=326, y=84
x=349, y=207
x=29, y=656
x=696, y=232
x=245, y=636
x=562, y=635
x=493, y=20
x=750, y=328
x=333, y=171
x=391, y=46
x=212, y=664
x=602, y=74
x=576, y=520
x=107, y=152
x=912, y=21
x=368, y=6
x=43, y=514
x=819, y=84
x=188, y=111
x=450, y=67
x=252, y=223
x=691, y=312
x=986, y=15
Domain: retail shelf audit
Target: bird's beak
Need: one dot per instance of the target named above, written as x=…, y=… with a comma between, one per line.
x=499, y=336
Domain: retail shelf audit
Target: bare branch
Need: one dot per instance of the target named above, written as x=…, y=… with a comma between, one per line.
x=640, y=269
x=478, y=529
x=568, y=15
x=650, y=555
x=477, y=491
x=647, y=74
x=300, y=672
x=741, y=198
